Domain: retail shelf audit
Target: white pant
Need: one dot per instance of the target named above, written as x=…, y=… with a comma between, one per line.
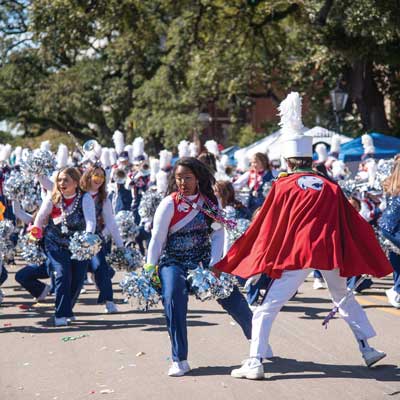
x=284, y=288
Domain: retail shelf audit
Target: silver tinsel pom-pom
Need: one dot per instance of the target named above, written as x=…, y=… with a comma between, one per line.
x=149, y=203
x=31, y=251
x=126, y=225
x=138, y=286
x=127, y=259
x=6, y=251
x=84, y=245
x=241, y=227
x=6, y=228
x=39, y=162
x=243, y=195
x=224, y=287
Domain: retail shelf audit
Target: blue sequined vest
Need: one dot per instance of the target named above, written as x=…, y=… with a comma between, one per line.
x=188, y=246
x=54, y=239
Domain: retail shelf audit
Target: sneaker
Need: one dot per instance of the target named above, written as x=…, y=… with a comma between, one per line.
x=393, y=297
x=372, y=356
x=71, y=319
x=179, y=368
x=250, y=369
x=45, y=292
x=1, y=296
x=62, y=321
x=83, y=290
x=319, y=283
x=110, y=308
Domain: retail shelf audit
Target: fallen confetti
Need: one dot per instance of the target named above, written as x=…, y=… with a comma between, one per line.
x=141, y=353
x=72, y=338
x=24, y=307
x=7, y=324
x=106, y=391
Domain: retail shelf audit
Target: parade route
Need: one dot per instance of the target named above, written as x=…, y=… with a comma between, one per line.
x=126, y=355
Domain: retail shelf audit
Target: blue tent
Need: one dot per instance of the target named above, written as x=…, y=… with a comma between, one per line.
x=385, y=147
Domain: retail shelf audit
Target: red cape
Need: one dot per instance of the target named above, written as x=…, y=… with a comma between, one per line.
x=299, y=228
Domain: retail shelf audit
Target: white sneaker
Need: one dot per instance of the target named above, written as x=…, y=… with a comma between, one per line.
x=319, y=283
x=372, y=356
x=45, y=292
x=1, y=296
x=250, y=369
x=83, y=290
x=71, y=319
x=110, y=308
x=62, y=321
x=393, y=297
x=178, y=368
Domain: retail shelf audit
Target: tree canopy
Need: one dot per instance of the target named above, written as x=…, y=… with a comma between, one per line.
x=149, y=67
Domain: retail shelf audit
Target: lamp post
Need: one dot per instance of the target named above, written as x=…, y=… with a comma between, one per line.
x=339, y=99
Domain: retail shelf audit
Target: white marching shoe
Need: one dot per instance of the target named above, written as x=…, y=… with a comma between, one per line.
x=393, y=297
x=110, y=308
x=61, y=321
x=372, y=356
x=250, y=369
x=179, y=368
x=319, y=283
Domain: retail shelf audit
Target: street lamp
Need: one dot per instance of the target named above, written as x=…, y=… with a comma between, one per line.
x=339, y=99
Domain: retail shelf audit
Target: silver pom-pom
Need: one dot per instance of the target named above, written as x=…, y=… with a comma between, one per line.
x=84, y=245
x=6, y=251
x=31, y=251
x=234, y=234
x=39, y=162
x=6, y=229
x=224, y=286
x=243, y=195
x=127, y=259
x=126, y=225
x=139, y=286
x=149, y=203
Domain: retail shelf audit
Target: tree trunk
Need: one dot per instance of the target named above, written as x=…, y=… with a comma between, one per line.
x=369, y=100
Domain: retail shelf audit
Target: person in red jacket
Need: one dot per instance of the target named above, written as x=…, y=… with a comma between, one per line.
x=306, y=222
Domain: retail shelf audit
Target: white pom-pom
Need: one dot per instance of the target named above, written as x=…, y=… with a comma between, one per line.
x=193, y=149
x=154, y=168
x=165, y=159
x=335, y=144
x=45, y=145
x=322, y=152
x=138, y=147
x=183, y=149
x=290, y=113
x=119, y=143
x=105, y=158
x=212, y=147
x=62, y=156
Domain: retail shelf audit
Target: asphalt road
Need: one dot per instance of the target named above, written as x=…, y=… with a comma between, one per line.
x=126, y=355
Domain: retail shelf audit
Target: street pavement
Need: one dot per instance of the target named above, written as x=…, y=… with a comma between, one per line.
x=126, y=355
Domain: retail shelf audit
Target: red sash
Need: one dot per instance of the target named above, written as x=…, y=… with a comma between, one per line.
x=56, y=211
x=181, y=209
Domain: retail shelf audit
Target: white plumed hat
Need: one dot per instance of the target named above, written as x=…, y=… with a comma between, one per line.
x=293, y=142
x=138, y=149
x=105, y=158
x=183, y=149
x=165, y=159
x=335, y=144
x=62, y=156
x=368, y=144
x=45, y=145
x=212, y=147
x=194, y=151
x=154, y=168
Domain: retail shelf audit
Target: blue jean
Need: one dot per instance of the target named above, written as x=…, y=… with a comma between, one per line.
x=175, y=295
x=102, y=276
x=28, y=277
x=395, y=261
x=238, y=308
x=69, y=277
x=3, y=275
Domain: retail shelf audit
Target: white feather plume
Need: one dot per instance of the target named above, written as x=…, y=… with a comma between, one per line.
x=62, y=156
x=17, y=153
x=138, y=147
x=97, y=149
x=105, y=158
x=165, y=159
x=322, y=152
x=129, y=149
x=367, y=140
x=183, y=149
x=45, y=145
x=113, y=155
x=193, y=149
x=242, y=160
x=290, y=113
x=154, y=168
x=212, y=147
x=335, y=144
x=162, y=181
x=119, y=142
x=5, y=152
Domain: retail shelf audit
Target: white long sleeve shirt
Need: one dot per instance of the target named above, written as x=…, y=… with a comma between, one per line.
x=89, y=212
x=20, y=214
x=162, y=220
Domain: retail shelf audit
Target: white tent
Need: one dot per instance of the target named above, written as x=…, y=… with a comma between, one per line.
x=271, y=144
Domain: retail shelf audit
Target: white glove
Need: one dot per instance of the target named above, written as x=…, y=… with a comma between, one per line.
x=252, y=281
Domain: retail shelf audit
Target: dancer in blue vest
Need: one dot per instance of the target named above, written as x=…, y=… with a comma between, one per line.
x=67, y=210
x=94, y=181
x=184, y=237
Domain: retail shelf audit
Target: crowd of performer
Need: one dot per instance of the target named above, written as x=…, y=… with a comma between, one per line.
x=300, y=222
